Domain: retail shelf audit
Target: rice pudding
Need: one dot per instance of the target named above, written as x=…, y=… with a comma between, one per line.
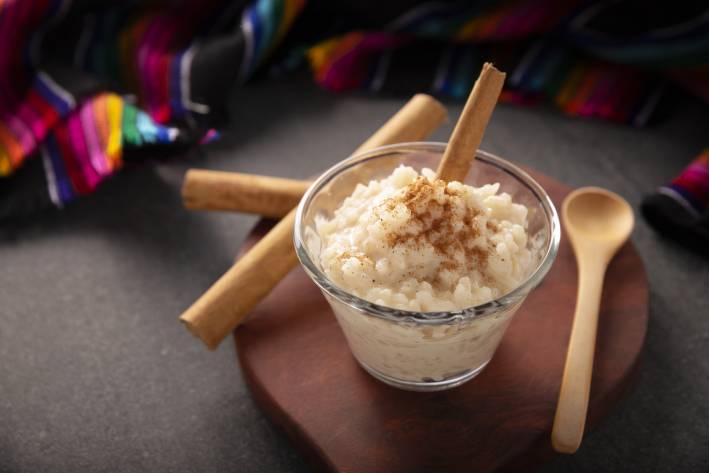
x=412, y=242
x=415, y=243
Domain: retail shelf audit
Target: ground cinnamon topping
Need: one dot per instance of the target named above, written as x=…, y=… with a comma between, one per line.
x=436, y=224
x=357, y=255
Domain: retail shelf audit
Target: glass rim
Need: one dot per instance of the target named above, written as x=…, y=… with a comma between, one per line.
x=438, y=317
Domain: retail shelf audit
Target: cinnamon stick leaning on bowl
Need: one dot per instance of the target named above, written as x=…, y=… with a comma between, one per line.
x=225, y=305
x=470, y=128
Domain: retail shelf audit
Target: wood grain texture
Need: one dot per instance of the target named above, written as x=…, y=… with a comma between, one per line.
x=301, y=372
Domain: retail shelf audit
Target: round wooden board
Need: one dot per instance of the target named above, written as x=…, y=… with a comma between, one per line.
x=300, y=370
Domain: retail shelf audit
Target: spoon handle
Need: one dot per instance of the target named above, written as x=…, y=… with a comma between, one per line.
x=571, y=409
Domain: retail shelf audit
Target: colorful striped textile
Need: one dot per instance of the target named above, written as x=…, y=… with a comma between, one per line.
x=691, y=187
x=679, y=210
x=95, y=134
x=84, y=84
x=575, y=54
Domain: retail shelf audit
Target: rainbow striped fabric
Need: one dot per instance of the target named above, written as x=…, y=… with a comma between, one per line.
x=691, y=187
x=680, y=210
x=576, y=54
x=84, y=84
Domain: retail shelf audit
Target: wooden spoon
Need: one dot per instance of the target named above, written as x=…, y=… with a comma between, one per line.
x=597, y=223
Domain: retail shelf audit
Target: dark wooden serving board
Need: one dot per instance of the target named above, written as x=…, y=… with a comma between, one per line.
x=300, y=370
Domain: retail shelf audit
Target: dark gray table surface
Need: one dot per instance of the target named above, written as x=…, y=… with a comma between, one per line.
x=96, y=374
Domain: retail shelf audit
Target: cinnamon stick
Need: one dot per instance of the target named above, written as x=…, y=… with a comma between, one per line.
x=468, y=132
x=249, y=193
x=225, y=305
x=222, y=308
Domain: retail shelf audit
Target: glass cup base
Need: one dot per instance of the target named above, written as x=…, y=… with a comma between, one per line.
x=425, y=386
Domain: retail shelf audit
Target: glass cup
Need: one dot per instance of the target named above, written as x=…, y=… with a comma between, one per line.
x=423, y=351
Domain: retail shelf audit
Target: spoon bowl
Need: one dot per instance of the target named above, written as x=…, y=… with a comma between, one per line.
x=598, y=222
x=598, y=215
